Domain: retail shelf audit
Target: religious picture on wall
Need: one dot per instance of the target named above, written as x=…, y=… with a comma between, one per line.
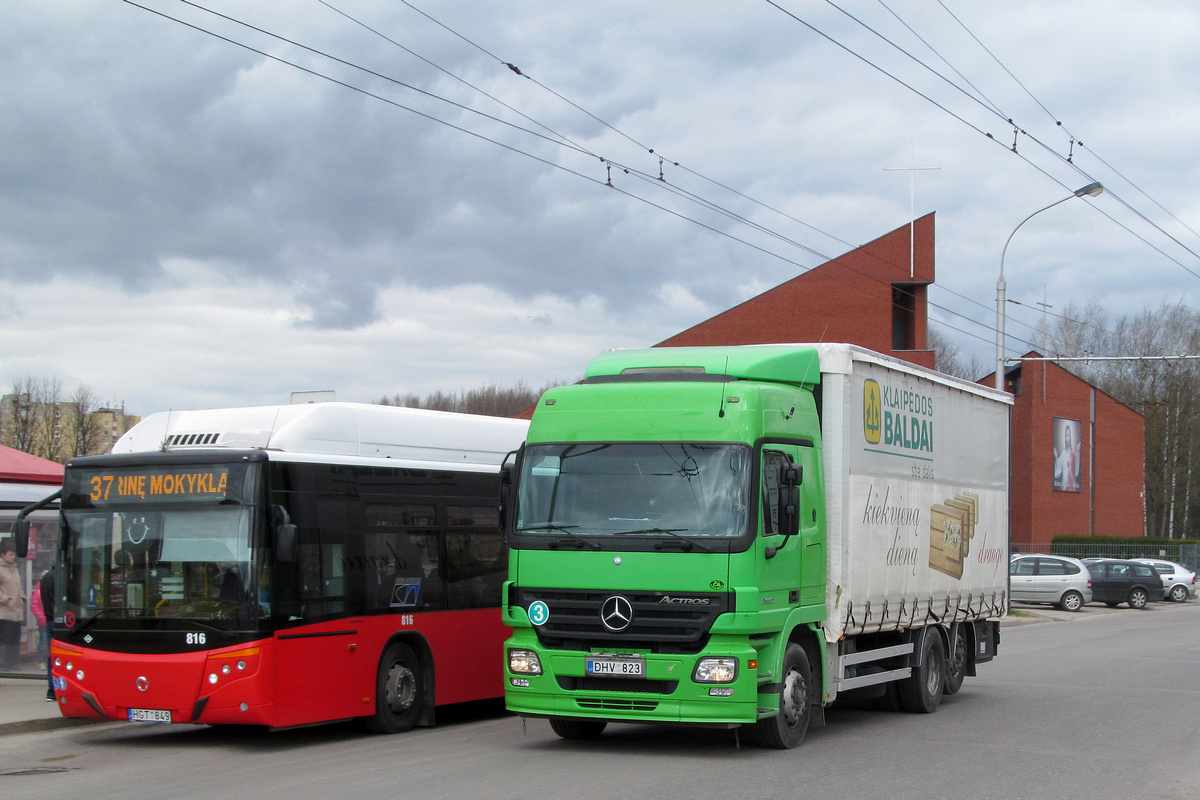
x=1066, y=455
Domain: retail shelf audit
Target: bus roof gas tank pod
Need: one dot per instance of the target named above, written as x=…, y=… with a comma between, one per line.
x=343, y=429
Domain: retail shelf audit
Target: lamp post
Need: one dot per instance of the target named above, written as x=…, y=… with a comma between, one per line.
x=1091, y=190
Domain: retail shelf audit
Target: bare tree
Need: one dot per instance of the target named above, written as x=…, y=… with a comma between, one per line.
x=490, y=400
x=948, y=357
x=87, y=435
x=1167, y=393
x=48, y=401
x=29, y=416
x=18, y=415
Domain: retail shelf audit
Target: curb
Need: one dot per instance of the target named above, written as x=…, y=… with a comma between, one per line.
x=48, y=724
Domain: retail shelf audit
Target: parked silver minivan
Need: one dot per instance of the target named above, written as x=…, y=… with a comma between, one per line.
x=1060, y=580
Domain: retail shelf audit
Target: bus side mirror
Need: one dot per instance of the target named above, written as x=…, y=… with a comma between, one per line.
x=20, y=528
x=20, y=532
x=284, y=535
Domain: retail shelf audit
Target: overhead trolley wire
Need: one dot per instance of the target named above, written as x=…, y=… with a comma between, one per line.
x=514, y=68
x=987, y=103
x=1074, y=141
x=639, y=174
x=360, y=68
x=461, y=80
x=689, y=195
x=943, y=59
x=1018, y=130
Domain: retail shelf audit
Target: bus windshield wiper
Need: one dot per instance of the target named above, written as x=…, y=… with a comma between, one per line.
x=83, y=625
x=554, y=526
x=687, y=543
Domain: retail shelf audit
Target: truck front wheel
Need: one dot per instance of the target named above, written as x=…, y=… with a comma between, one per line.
x=570, y=728
x=787, y=728
x=921, y=692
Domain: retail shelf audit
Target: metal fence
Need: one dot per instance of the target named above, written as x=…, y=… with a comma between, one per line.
x=1186, y=553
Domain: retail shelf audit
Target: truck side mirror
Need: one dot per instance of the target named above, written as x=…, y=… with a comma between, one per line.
x=789, y=499
x=505, y=490
x=790, y=478
x=506, y=485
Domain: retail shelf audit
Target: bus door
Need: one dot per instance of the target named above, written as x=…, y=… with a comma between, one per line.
x=322, y=665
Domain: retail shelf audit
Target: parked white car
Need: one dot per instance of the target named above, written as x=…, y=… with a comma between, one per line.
x=1179, y=582
x=1060, y=580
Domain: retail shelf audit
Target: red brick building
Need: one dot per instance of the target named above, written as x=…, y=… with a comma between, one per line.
x=1096, y=490
x=875, y=296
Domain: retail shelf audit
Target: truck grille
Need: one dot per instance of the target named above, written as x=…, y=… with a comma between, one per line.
x=663, y=622
x=572, y=684
x=606, y=704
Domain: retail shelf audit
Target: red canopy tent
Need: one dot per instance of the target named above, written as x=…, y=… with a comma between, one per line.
x=19, y=467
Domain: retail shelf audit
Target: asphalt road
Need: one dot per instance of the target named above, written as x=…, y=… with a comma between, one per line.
x=1100, y=705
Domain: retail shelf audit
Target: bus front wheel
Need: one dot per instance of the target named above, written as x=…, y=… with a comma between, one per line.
x=399, y=691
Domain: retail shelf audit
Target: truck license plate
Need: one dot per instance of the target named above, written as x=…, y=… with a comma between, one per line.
x=149, y=715
x=620, y=667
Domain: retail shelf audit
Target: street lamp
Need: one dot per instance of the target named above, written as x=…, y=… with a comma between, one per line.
x=1091, y=190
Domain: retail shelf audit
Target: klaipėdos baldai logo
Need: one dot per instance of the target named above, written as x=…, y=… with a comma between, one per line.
x=897, y=417
x=872, y=411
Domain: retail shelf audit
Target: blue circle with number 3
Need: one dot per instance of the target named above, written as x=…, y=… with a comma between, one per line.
x=539, y=612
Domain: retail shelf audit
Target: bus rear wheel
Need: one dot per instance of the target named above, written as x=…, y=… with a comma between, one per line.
x=399, y=691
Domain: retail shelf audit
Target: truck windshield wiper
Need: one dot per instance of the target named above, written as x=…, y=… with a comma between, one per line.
x=687, y=543
x=554, y=526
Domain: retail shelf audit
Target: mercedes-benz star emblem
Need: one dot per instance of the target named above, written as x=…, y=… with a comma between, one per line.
x=616, y=613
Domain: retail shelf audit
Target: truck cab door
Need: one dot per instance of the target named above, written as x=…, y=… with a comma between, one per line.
x=791, y=557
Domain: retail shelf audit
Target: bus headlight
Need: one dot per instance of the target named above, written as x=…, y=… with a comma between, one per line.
x=524, y=662
x=715, y=670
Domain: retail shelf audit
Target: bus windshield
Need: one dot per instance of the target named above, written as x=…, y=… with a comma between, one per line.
x=133, y=558
x=650, y=489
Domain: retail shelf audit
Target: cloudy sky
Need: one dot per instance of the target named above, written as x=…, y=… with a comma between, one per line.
x=217, y=203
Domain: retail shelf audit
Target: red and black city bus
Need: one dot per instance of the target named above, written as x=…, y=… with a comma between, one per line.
x=284, y=566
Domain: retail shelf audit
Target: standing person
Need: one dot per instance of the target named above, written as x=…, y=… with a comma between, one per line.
x=12, y=606
x=46, y=595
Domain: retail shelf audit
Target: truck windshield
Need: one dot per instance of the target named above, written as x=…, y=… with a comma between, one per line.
x=651, y=489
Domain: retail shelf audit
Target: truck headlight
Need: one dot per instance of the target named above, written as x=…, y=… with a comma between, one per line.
x=716, y=670
x=524, y=662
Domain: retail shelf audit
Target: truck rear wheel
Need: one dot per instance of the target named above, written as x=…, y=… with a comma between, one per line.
x=956, y=665
x=570, y=728
x=787, y=728
x=921, y=692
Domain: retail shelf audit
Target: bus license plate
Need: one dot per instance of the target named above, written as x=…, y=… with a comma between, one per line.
x=149, y=715
x=619, y=667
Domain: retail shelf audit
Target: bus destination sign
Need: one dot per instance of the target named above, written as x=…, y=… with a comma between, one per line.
x=157, y=485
